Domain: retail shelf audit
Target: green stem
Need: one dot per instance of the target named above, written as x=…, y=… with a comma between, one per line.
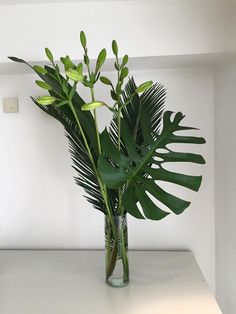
x=119, y=128
x=119, y=147
x=102, y=187
x=137, y=121
x=96, y=123
x=126, y=103
x=125, y=261
x=58, y=74
x=117, y=246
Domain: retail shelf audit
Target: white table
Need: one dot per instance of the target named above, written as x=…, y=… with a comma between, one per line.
x=72, y=282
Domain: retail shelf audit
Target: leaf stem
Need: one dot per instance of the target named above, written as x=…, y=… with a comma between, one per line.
x=96, y=122
x=102, y=186
x=118, y=126
x=137, y=121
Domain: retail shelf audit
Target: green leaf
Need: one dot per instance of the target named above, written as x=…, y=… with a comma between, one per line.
x=49, y=54
x=124, y=73
x=16, y=59
x=92, y=105
x=125, y=60
x=39, y=69
x=101, y=59
x=97, y=77
x=79, y=68
x=114, y=95
x=118, y=88
x=68, y=64
x=114, y=47
x=74, y=75
x=135, y=170
x=141, y=88
x=130, y=202
x=65, y=87
x=83, y=39
x=92, y=77
x=150, y=209
x=43, y=85
x=72, y=92
x=62, y=103
x=105, y=80
x=46, y=100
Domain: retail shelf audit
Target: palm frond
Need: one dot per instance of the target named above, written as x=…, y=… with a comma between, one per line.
x=150, y=103
x=86, y=177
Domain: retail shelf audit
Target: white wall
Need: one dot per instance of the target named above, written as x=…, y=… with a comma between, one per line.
x=151, y=28
x=41, y=207
x=226, y=187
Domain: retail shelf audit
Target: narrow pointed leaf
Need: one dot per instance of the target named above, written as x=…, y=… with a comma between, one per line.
x=43, y=85
x=124, y=73
x=150, y=210
x=15, y=59
x=105, y=80
x=39, y=69
x=141, y=88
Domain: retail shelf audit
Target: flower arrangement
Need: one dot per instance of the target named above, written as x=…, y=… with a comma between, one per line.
x=119, y=168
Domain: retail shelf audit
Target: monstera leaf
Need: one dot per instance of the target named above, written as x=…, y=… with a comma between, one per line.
x=139, y=171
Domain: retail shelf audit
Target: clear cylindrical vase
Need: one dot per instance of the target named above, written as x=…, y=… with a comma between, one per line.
x=117, y=264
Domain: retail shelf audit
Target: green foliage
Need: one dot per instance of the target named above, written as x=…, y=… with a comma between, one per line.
x=43, y=85
x=121, y=168
x=39, y=69
x=140, y=164
x=141, y=88
x=135, y=169
x=124, y=73
x=105, y=80
x=68, y=64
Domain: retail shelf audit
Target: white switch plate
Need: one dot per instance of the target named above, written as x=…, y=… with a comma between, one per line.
x=10, y=105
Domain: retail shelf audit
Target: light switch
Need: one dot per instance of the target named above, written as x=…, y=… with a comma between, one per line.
x=10, y=105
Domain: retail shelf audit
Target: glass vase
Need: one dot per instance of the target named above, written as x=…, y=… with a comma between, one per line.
x=116, y=237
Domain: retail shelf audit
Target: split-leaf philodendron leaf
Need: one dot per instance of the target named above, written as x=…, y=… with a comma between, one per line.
x=140, y=169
